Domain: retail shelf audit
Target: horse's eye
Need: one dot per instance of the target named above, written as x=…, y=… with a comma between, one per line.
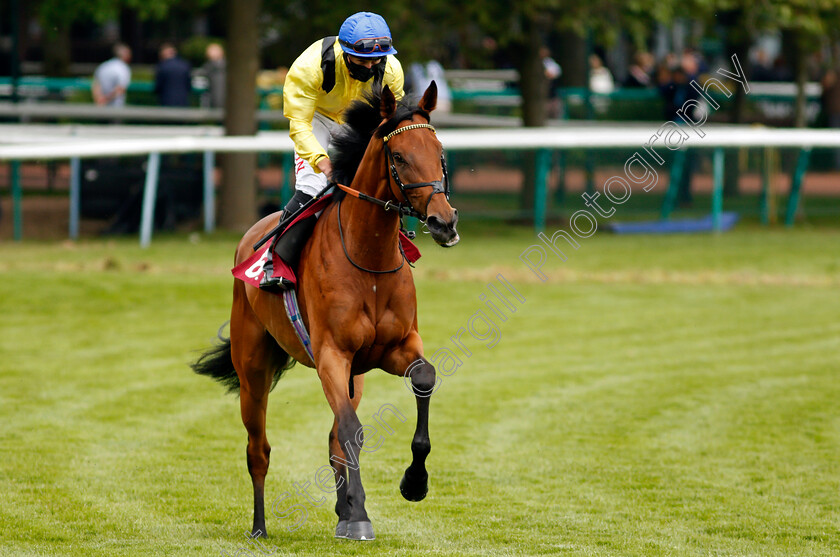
x=399, y=158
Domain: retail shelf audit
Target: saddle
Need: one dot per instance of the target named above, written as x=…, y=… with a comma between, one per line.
x=250, y=271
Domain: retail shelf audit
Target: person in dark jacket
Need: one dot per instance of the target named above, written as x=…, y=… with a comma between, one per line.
x=172, y=78
x=674, y=78
x=214, y=70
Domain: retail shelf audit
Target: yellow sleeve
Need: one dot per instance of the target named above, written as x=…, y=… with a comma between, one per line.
x=300, y=96
x=394, y=78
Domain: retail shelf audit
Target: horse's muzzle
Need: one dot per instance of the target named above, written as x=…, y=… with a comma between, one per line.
x=443, y=232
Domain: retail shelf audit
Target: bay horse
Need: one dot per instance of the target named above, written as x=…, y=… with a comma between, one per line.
x=356, y=296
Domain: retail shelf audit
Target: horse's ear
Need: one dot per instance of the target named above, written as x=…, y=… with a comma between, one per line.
x=388, y=104
x=429, y=100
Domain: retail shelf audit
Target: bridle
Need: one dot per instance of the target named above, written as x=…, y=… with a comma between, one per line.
x=407, y=209
x=438, y=186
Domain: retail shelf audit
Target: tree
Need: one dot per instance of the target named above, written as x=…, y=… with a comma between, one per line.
x=806, y=27
x=238, y=196
x=57, y=17
x=521, y=28
x=238, y=191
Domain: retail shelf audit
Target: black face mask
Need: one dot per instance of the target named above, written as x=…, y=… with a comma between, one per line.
x=361, y=73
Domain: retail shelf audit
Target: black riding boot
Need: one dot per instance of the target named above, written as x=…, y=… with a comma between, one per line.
x=289, y=245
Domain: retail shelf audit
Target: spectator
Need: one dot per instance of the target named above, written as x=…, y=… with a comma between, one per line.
x=600, y=78
x=111, y=78
x=600, y=82
x=172, y=78
x=421, y=76
x=782, y=70
x=214, y=70
x=762, y=68
x=674, y=79
x=552, y=72
x=640, y=73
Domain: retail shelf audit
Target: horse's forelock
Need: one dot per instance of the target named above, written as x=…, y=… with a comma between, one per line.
x=361, y=122
x=404, y=112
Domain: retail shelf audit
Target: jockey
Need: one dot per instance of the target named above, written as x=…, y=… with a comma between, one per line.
x=321, y=83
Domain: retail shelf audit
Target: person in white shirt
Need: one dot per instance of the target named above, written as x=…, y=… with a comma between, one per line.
x=600, y=78
x=111, y=78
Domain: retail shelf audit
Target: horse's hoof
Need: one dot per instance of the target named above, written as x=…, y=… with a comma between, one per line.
x=362, y=530
x=341, y=529
x=259, y=533
x=414, y=488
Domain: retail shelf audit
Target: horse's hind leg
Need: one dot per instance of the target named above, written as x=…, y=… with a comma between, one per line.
x=254, y=355
x=342, y=508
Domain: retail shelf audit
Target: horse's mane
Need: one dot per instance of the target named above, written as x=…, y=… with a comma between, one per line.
x=361, y=121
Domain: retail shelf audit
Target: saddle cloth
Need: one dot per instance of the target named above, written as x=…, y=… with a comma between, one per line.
x=250, y=271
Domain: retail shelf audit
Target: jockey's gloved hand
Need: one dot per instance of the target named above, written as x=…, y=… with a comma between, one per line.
x=298, y=200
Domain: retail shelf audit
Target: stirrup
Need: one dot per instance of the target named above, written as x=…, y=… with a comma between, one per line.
x=275, y=284
x=271, y=283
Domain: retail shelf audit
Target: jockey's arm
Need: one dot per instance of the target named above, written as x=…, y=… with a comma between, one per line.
x=394, y=77
x=300, y=95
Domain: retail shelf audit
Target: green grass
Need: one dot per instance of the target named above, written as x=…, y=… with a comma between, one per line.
x=672, y=395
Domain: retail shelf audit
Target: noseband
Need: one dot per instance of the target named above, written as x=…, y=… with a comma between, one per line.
x=438, y=186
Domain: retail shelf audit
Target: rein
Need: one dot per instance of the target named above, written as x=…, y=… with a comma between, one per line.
x=438, y=186
x=387, y=205
x=350, y=259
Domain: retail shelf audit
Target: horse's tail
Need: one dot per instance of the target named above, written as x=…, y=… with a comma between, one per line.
x=217, y=364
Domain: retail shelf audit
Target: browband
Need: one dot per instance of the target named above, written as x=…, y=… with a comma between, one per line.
x=406, y=128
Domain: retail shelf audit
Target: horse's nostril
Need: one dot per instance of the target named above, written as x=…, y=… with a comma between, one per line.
x=435, y=223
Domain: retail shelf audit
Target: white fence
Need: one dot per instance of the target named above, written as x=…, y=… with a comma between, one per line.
x=717, y=137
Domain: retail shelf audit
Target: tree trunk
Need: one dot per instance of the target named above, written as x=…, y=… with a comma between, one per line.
x=800, y=119
x=533, y=87
x=741, y=48
x=792, y=41
x=238, y=197
x=739, y=44
x=57, y=51
x=573, y=59
x=533, y=83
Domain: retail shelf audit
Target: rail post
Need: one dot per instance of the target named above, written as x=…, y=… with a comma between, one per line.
x=796, y=185
x=209, y=191
x=75, y=196
x=717, y=187
x=147, y=221
x=541, y=189
x=17, y=195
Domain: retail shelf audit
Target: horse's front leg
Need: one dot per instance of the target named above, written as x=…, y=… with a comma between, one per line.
x=409, y=362
x=337, y=456
x=334, y=372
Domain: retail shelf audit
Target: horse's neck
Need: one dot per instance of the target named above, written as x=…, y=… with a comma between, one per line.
x=370, y=233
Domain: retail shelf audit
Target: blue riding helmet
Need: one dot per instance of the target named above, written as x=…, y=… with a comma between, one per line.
x=366, y=35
